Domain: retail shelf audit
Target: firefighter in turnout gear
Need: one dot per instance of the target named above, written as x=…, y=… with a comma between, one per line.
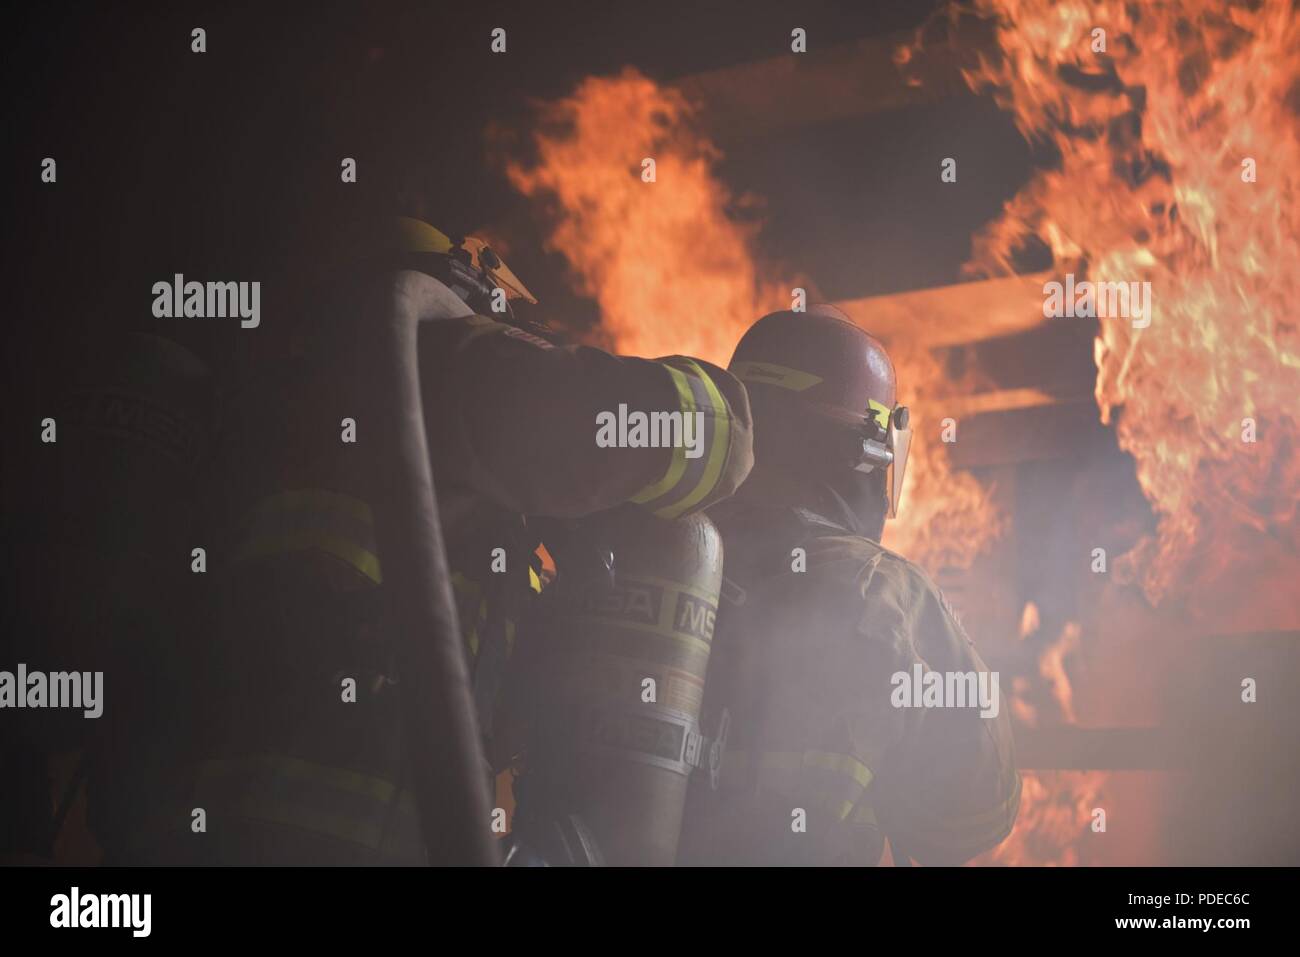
x=511, y=418
x=820, y=767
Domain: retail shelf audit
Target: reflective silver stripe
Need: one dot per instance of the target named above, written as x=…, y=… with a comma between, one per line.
x=690, y=481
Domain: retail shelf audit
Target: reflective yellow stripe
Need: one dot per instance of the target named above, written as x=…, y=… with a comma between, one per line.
x=677, y=467
x=471, y=640
x=287, y=767
x=282, y=790
x=843, y=764
x=312, y=518
x=460, y=583
x=690, y=481
x=995, y=820
x=834, y=782
x=363, y=560
x=467, y=593
x=717, y=453
x=769, y=373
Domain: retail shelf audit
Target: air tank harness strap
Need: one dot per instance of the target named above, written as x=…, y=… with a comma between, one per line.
x=706, y=752
x=659, y=736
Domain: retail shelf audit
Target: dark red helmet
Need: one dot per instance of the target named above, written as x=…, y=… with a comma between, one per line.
x=824, y=394
x=818, y=358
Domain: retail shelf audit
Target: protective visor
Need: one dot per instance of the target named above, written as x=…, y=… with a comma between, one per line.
x=885, y=444
x=490, y=264
x=416, y=236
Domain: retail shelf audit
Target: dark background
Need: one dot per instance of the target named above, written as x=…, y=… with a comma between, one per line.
x=226, y=164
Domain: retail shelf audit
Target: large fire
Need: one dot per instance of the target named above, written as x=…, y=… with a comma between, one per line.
x=947, y=516
x=1055, y=806
x=673, y=270
x=1179, y=166
x=1053, y=823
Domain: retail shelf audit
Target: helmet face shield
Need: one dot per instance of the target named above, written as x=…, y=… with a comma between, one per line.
x=885, y=444
x=471, y=266
x=491, y=265
x=900, y=441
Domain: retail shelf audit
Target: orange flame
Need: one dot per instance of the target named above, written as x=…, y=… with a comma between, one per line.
x=1055, y=806
x=947, y=517
x=671, y=270
x=1153, y=136
x=674, y=272
x=1054, y=818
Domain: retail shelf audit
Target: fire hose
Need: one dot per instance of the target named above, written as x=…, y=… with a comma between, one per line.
x=439, y=726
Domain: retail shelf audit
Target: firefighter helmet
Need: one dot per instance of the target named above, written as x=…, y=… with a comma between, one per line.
x=823, y=393
x=469, y=266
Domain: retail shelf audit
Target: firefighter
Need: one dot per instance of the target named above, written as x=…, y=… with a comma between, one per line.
x=820, y=767
x=308, y=765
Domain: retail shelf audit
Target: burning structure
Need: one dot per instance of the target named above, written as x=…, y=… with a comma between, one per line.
x=1110, y=501
x=1107, y=496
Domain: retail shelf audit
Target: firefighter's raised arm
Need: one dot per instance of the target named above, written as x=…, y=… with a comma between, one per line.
x=544, y=428
x=570, y=430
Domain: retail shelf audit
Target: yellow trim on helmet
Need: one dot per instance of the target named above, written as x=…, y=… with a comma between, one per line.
x=880, y=412
x=772, y=374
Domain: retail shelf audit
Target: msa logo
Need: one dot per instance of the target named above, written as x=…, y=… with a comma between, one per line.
x=638, y=602
x=696, y=617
